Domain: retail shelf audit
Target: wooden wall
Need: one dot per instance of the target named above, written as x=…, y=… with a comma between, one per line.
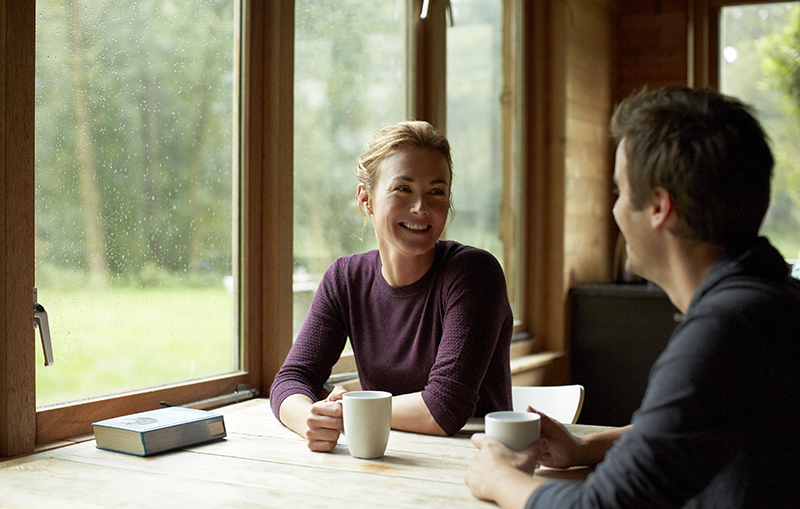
x=652, y=42
x=601, y=51
x=613, y=48
x=589, y=83
x=568, y=68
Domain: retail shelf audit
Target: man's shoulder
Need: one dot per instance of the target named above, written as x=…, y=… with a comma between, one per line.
x=757, y=276
x=748, y=309
x=747, y=290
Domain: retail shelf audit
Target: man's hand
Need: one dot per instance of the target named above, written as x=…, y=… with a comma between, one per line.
x=558, y=448
x=498, y=474
x=562, y=449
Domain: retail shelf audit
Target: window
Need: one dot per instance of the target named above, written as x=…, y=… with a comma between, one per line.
x=348, y=83
x=478, y=98
x=263, y=128
x=758, y=48
x=352, y=75
x=136, y=197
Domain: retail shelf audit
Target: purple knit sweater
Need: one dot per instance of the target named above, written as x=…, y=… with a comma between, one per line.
x=446, y=335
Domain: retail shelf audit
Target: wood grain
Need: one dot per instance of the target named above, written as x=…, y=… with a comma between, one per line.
x=17, y=354
x=260, y=463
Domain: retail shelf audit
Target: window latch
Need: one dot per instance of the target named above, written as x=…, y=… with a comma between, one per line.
x=40, y=322
x=426, y=4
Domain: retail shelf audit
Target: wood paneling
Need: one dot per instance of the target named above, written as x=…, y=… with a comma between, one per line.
x=652, y=41
x=589, y=81
x=568, y=62
x=542, y=160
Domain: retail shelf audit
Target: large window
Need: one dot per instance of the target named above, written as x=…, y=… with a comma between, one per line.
x=352, y=74
x=474, y=87
x=759, y=47
x=166, y=226
x=349, y=82
x=136, y=196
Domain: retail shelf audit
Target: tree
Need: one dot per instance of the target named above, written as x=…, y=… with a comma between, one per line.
x=781, y=67
x=142, y=181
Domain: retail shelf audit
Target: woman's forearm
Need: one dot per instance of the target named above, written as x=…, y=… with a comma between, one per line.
x=294, y=412
x=410, y=413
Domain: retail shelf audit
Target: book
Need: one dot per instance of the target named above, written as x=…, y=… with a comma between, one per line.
x=155, y=431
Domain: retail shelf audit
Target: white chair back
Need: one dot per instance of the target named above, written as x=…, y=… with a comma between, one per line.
x=561, y=402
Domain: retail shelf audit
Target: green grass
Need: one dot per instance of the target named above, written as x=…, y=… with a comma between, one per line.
x=112, y=340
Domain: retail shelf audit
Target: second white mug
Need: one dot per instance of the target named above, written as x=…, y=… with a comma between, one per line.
x=517, y=430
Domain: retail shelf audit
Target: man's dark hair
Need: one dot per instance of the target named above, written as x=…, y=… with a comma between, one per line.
x=707, y=151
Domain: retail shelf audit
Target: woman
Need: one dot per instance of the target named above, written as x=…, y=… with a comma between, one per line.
x=428, y=320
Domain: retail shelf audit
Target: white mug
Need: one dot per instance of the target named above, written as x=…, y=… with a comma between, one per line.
x=367, y=422
x=517, y=430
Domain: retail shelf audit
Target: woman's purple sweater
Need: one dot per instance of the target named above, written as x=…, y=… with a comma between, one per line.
x=446, y=335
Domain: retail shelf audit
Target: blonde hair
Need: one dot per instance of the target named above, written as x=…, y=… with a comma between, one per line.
x=409, y=133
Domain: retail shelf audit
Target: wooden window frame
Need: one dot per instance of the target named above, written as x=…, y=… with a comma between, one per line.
x=428, y=101
x=266, y=229
x=703, y=54
x=536, y=107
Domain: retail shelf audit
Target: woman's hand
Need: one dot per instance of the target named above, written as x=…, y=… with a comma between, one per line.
x=319, y=423
x=324, y=422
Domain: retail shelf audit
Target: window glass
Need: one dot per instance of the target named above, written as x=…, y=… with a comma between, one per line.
x=349, y=82
x=758, y=63
x=474, y=124
x=136, y=201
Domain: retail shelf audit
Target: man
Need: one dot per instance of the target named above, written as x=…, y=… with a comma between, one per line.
x=718, y=423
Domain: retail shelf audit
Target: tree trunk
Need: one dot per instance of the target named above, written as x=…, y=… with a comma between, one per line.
x=96, y=255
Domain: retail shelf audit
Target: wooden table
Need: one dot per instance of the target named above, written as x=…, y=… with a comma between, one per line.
x=260, y=464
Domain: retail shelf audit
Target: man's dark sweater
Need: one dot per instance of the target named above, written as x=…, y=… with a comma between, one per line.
x=718, y=425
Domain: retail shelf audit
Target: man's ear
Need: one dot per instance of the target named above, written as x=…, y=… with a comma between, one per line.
x=362, y=195
x=662, y=209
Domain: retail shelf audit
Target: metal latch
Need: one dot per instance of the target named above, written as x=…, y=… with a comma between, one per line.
x=40, y=322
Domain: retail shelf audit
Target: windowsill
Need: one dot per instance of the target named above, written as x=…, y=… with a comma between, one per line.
x=527, y=364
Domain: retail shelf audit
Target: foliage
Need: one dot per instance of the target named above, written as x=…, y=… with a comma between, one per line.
x=348, y=84
x=350, y=80
x=135, y=114
x=135, y=172
x=149, y=337
x=474, y=87
x=781, y=67
x=761, y=72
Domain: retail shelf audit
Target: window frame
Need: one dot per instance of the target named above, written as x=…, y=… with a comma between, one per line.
x=704, y=16
x=428, y=101
x=266, y=210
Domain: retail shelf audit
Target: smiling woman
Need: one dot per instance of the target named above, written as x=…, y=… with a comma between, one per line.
x=429, y=320
x=407, y=195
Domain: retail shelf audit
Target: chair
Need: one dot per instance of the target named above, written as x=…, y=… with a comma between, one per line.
x=561, y=402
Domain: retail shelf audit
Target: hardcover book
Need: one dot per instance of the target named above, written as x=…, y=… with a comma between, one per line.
x=159, y=430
